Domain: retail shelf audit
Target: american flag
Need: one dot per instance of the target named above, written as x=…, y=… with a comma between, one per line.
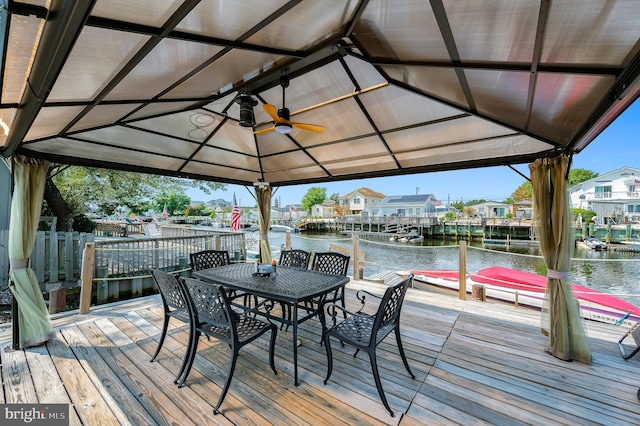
x=165, y=213
x=235, y=215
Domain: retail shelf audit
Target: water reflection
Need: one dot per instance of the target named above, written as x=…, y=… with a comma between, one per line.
x=608, y=271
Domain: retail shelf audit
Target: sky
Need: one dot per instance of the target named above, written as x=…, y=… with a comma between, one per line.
x=616, y=147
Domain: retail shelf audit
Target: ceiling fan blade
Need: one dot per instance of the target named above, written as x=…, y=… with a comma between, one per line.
x=263, y=131
x=304, y=126
x=272, y=111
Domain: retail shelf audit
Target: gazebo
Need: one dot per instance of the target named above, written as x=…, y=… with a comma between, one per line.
x=238, y=92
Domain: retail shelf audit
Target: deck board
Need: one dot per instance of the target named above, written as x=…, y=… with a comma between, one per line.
x=475, y=363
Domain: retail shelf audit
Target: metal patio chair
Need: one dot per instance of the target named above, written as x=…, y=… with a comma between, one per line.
x=175, y=306
x=207, y=259
x=210, y=312
x=634, y=332
x=330, y=263
x=294, y=258
x=364, y=331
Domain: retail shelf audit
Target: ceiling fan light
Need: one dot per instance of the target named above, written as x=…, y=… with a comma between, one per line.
x=246, y=109
x=283, y=128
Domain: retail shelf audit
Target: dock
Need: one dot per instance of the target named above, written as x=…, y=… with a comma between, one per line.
x=475, y=363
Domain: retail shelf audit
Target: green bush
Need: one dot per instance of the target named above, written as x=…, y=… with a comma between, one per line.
x=82, y=223
x=587, y=215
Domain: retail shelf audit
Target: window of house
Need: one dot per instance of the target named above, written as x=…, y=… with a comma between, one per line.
x=603, y=191
x=357, y=201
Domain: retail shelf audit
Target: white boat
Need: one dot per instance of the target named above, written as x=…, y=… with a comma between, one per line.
x=509, y=284
x=283, y=228
x=593, y=243
x=412, y=237
x=416, y=240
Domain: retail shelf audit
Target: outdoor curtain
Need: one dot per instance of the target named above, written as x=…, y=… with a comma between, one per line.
x=561, y=320
x=263, y=197
x=33, y=317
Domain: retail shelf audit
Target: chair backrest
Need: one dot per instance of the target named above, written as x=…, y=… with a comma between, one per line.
x=331, y=263
x=388, y=314
x=169, y=288
x=207, y=259
x=208, y=303
x=295, y=258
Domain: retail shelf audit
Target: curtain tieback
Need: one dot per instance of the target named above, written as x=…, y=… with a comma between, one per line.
x=263, y=237
x=19, y=264
x=557, y=275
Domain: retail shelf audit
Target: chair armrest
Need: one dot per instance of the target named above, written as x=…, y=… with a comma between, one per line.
x=361, y=295
x=333, y=308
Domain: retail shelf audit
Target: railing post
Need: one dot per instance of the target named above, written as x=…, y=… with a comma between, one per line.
x=217, y=242
x=462, y=271
x=88, y=258
x=287, y=240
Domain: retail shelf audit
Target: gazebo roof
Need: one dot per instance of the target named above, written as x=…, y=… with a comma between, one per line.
x=400, y=86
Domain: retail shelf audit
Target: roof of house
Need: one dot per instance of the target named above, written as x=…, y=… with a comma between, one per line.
x=418, y=199
x=365, y=192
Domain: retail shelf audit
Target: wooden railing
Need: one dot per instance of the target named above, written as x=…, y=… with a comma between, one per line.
x=56, y=256
x=125, y=265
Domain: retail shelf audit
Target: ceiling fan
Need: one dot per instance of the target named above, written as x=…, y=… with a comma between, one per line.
x=281, y=122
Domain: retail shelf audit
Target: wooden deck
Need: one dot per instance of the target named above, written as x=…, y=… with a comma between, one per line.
x=475, y=363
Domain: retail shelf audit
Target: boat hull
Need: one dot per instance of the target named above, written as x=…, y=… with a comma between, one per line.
x=528, y=289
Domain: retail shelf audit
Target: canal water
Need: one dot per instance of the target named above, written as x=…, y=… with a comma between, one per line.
x=611, y=272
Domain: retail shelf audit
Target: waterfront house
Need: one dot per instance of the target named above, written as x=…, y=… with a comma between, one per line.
x=359, y=200
x=490, y=209
x=326, y=210
x=615, y=194
x=420, y=205
x=289, y=212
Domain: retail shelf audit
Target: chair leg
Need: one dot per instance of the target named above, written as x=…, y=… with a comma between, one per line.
x=232, y=367
x=162, y=336
x=376, y=377
x=401, y=349
x=191, y=357
x=327, y=345
x=272, y=347
x=187, y=353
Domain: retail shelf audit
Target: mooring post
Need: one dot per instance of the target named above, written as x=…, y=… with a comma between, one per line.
x=462, y=272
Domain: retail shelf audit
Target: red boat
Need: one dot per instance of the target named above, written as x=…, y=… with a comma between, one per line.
x=510, y=284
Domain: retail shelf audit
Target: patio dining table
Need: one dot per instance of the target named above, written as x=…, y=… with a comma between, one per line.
x=288, y=286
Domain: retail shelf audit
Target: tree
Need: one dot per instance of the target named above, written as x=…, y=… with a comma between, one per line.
x=523, y=192
x=458, y=205
x=76, y=191
x=315, y=195
x=474, y=202
x=469, y=211
x=175, y=202
x=577, y=176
